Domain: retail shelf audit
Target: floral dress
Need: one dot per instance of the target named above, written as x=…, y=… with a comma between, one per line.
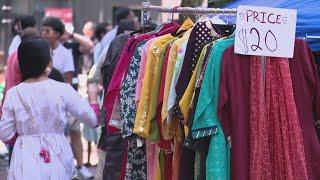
x=36, y=114
x=136, y=167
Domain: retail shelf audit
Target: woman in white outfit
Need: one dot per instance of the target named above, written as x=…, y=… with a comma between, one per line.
x=34, y=117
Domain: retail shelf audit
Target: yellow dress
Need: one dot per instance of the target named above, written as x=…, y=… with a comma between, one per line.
x=145, y=124
x=186, y=99
x=169, y=130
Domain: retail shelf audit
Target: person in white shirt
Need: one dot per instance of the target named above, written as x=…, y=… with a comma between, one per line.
x=20, y=23
x=62, y=59
x=52, y=29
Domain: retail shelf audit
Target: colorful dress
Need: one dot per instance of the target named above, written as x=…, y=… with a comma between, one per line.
x=206, y=122
x=234, y=107
x=136, y=158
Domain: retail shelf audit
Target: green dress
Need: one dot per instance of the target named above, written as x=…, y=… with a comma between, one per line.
x=206, y=118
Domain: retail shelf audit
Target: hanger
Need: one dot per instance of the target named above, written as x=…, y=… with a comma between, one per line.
x=182, y=29
x=148, y=27
x=220, y=29
x=201, y=18
x=224, y=29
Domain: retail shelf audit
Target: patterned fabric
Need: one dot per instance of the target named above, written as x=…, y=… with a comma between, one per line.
x=177, y=52
x=206, y=121
x=234, y=106
x=176, y=73
x=117, y=76
x=136, y=160
x=189, y=141
x=145, y=124
x=187, y=97
x=122, y=67
x=142, y=69
x=128, y=107
x=164, y=145
x=200, y=36
x=136, y=168
x=39, y=122
x=276, y=144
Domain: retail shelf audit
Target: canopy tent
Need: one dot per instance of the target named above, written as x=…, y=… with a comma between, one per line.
x=308, y=21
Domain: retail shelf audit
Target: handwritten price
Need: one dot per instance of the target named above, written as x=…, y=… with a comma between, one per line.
x=269, y=40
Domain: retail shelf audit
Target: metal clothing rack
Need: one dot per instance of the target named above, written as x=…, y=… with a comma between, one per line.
x=146, y=8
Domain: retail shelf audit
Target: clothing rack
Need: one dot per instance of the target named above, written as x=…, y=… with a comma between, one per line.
x=146, y=8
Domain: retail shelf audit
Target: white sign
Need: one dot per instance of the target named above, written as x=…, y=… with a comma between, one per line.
x=264, y=31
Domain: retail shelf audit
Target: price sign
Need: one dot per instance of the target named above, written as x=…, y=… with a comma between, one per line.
x=265, y=31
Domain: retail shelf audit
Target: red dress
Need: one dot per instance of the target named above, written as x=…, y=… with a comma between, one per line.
x=234, y=107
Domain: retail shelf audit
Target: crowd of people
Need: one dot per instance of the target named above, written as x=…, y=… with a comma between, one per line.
x=53, y=84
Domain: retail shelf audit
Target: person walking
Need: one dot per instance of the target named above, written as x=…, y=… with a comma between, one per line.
x=13, y=74
x=62, y=59
x=52, y=29
x=34, y=116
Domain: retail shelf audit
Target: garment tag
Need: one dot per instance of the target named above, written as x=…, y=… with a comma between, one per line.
x=172, y=147
x=139, y=142
x=229, y=140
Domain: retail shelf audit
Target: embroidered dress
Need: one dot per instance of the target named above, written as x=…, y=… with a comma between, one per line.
x=36, y=114
x=145, y=124
x=128, y=107
x=136, y=159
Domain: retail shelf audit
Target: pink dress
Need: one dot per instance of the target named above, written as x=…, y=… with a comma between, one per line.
x=13, y=73
x=142, y=68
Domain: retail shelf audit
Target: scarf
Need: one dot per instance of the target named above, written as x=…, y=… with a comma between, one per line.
x=276, y=144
